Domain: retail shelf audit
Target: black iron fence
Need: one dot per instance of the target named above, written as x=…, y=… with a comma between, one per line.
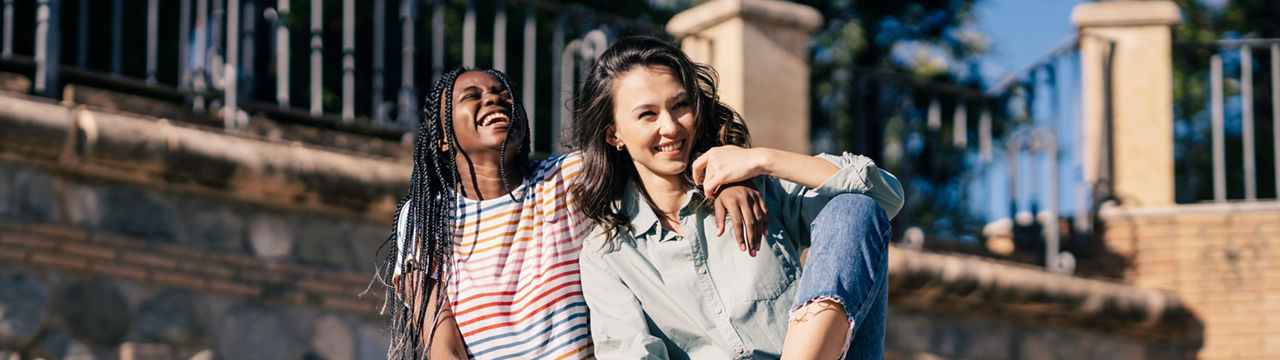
x=1227, y=116
x=997, y=162
x=357, y=66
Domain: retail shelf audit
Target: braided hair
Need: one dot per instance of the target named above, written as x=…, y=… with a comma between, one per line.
x=424, y=234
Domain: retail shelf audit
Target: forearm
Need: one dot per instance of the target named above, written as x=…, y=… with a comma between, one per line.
x=805, y=170
x=433, y=318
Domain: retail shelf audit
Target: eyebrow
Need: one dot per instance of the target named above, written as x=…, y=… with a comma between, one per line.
x=679, y=95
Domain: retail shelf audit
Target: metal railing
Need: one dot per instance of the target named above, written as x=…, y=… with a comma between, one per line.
x=1240, y=55
x=924, y=133
x=236, y=57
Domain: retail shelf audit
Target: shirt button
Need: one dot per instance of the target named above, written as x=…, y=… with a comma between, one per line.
x=702, y=271
x=740, y=350
x=719, y=310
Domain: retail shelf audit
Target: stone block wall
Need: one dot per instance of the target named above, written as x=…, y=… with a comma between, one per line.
x=94, y=269
x=923, y=334
x=1221, y=259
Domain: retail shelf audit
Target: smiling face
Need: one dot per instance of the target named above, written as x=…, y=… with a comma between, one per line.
x=653, y=120
x=482, y=116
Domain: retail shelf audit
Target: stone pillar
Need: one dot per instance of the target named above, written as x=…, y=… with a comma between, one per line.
x=1141, y=95
x=760, y=50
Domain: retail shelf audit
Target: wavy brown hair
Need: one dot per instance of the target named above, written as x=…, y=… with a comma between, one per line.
x=605, y=170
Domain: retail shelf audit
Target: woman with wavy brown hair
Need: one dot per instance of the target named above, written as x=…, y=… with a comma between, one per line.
x=658, y=280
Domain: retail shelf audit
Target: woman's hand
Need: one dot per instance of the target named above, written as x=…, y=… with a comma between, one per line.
x=726, y=164
x=745, y=207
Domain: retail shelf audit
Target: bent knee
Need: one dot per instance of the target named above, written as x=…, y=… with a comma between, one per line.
x=849, y=206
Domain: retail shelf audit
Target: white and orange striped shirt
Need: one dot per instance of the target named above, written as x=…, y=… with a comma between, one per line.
x=514, y=283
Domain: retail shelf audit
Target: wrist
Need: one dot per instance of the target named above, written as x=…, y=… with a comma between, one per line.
x=763, y=161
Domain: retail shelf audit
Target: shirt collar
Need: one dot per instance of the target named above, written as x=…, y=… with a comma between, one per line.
x=643, y=219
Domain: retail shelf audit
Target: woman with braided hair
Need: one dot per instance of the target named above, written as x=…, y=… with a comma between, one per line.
x=485, y=263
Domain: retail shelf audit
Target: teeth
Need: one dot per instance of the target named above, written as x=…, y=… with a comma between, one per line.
x=492, y=118
x=672, y=147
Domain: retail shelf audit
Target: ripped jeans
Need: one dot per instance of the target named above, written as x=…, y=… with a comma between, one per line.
x=848, y=263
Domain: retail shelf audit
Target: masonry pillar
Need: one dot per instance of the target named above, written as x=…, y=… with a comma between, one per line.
x=1141, y=96
x=760, y=50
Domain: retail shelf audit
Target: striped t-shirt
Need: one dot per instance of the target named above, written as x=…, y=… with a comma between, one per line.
x=514, y=284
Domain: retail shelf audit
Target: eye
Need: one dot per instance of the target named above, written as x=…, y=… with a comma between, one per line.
x=648, y=114
x=470, y=96
x=680, y=105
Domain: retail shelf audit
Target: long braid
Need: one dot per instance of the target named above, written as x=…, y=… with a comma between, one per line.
x=430, y=202
x=519, y=122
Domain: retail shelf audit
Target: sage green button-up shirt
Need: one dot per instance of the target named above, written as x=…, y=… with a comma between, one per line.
x=653, y=294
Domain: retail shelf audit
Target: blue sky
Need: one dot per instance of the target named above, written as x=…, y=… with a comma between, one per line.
x=1021, y=31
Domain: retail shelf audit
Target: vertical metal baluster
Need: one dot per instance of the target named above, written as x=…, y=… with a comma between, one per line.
x=249, y=32
x=117, y=34
x=1219, y=157
x=348, y=60
x=557, y=106
x=984, y=135
x=282, y=53
x=934, y=115
x=437, y=40
x=469, y=35
x=500, y=36
x=564, y=91
x=184, y=34
x=82, y=35
x=530, y=77
x=1275, y=111
x=1053, y=254
x=54, y=56
x=960, y=129
x=153, y=20
x=42, y=45
x=1246, y=123
x=408, y=111
x=8, y=29
x=317, y=61
x=379, y=60
x=230, y=113
x=1011, y=153
x=199, y=72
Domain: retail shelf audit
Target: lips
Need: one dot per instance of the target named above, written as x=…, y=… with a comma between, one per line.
x=669, y=147
x=492, y=118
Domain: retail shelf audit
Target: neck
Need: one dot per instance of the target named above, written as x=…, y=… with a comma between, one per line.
x=666, y=191
x=487, y=181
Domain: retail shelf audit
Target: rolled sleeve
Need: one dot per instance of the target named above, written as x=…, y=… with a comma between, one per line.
x=619, y=328
x=858, y=174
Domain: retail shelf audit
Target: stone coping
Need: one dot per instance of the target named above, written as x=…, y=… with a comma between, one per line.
x=74, y=250
x=711, y=13
x=970, y=284
x=192, y=158
x=1126, y=13
x=1223, y=208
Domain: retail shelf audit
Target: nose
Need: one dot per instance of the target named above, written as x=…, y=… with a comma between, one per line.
x=668, y=126
x=491, y=99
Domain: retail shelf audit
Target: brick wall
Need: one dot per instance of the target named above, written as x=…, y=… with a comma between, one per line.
x=1223, y=260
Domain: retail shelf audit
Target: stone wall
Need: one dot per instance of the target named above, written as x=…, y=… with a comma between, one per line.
x=1221, y=259
x=109, y=270
x=924, y=334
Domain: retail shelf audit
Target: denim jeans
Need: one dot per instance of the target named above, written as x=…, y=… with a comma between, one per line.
x=848, y=262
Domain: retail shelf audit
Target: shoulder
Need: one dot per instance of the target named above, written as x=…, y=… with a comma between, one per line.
x=556, y=167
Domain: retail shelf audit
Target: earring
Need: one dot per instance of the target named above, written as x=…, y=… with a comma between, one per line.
x=619, y=147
